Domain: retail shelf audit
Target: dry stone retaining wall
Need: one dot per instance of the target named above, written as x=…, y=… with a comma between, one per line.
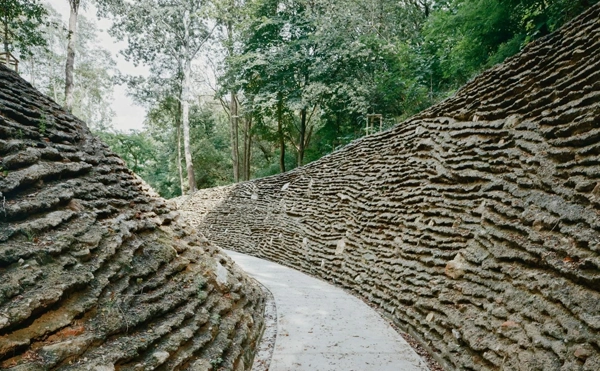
x=96, y=271
x=475, y=225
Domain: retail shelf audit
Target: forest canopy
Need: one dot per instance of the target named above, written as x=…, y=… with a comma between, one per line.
x=243, y=89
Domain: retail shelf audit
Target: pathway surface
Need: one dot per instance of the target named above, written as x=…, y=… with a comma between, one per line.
x=322, y=328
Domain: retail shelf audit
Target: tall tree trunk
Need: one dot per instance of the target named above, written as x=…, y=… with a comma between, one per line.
x=185, y=123
x=335, y=142
x=179, y=167
x=235, y=151
x=281, y=136
x=179, y=134
x=185, y=103
x=74, y=5
x=32, y=71
x=247, y=147
x=233, y=111
x=301, y=140
x=54, y=90
x=6, y=44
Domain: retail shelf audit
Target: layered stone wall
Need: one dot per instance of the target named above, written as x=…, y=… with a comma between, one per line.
x=475, y=225
x=96, y=271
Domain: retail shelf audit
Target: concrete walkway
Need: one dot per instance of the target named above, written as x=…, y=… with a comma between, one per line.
x=322, y=328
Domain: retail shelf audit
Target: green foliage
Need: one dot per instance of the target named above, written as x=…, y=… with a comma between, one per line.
x=466, y=36
x=338, y=61
x=135, y=148
x=271, y=167
x=307, y=73
x=29, y=234
x=216, y=362
x=215, y=319
x=152, y=153
x=211, y=147
x=144, y=155
x=154, y=30
x=93, y=71
x=20, y=22
x=463, y=37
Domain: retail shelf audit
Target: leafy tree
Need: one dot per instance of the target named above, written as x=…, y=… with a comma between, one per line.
x=93, y=71
x=135, y=147
x=466, y=36
x=43, y=68
x=163, y=118
x=308, y=65
x=149, y=153
x=297, y=78
x=278, y=56
x=167, y=35
x=228, y=14
x=211, y=145
x=20, y=22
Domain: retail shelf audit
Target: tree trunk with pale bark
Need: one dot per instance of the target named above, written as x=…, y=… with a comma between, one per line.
x=247, y=146
x=185, y=106
x=281, y=136
x=179, y=167
x=72, y=38
x=235, y=152
x=185, y=122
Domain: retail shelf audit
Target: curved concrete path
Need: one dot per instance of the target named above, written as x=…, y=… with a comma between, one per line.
x=322, y=328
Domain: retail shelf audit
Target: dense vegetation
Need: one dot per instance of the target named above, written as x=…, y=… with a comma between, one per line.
x=243, y=89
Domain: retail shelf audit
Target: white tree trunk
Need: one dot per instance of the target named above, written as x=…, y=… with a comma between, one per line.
x=185, y=122
x=74, y=5
x=233, y=113
x=235, y=155
x=182, y=185
x=185, y=105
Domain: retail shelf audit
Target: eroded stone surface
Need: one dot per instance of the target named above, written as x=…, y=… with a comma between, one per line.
x=505, y=174
x=96, y=271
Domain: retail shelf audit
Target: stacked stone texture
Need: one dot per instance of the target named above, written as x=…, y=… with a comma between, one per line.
x=96, y=271
x=475, y=225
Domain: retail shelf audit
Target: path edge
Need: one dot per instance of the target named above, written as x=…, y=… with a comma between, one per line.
x=266, y=347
